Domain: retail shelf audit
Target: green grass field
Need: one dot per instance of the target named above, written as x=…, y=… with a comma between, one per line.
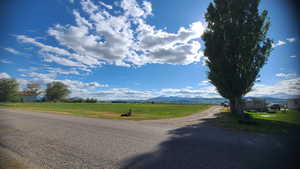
x=289, y=117
x=112, y=110
x=271, y=123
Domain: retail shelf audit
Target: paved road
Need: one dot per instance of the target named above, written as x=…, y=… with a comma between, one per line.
x=61, y=141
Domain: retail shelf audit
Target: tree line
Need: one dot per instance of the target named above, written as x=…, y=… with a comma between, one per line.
x=54, y=92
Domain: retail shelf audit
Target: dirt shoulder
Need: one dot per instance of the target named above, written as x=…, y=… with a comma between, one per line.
x=187, y=120
x=11, y=160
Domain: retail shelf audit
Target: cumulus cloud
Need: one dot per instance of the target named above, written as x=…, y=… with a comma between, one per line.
x=278, y=43
x=207, y=92
x=282, y=42
x=291, y=39
x=11, y=50
x=4, y=75
x=102, y=36
x=288, y=87
x=286, y=75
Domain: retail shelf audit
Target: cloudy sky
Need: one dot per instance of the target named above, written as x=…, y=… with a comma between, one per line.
x=132, y=49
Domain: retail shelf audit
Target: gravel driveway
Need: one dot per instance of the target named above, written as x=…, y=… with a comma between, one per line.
x=45, y=140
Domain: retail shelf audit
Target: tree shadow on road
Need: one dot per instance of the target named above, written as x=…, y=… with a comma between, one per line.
x=204, y=146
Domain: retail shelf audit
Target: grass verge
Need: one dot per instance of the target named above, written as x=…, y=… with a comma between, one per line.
x=112, y=110
x=282, y=123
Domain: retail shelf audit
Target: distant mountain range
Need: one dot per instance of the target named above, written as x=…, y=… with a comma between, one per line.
x=202, y=100
x=194, y=100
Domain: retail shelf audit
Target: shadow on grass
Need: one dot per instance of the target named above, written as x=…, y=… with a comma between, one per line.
x=205, y=146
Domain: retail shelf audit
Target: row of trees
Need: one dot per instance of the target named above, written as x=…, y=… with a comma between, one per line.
x=55, y=91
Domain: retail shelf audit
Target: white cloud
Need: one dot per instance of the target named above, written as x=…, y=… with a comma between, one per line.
x=293, y=56
x=291, y=39
x=13, y=51
x=147, y=6
x=279, y=43
x=207, y=92
x=50, y=50
x=204, y=60
x=204, y=83
x=122, y=93
x=286, y=75
x=105, y=5
x=4, y=61
x=289, y=87
x=63, y=72
x=132, y=8
x=22, y=82
x=60, y=60
x=4, y=75
x=101, y=36
x=78, y=88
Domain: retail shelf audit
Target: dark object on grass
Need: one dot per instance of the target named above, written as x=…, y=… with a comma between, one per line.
x=247, y=119
x=275, y=106
x=129, y=113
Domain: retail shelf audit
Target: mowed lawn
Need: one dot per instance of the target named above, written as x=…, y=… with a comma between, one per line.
x=290, y=116
x=112, y=110
x=279, y=122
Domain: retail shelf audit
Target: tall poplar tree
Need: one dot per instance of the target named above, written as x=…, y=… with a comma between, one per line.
x=236, y=47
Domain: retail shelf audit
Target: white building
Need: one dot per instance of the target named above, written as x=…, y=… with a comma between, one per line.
x=294, y=103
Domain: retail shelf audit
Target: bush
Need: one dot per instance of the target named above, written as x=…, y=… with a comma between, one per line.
x=91, y=100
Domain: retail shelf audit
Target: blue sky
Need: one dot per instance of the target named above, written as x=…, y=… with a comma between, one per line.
x=132, y=49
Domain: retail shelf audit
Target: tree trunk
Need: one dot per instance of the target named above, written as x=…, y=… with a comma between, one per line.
x=236, y=105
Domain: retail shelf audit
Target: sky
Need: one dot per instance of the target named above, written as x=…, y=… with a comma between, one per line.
x=132, y=49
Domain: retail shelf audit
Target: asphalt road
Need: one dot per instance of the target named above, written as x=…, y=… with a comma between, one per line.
x=62, y=141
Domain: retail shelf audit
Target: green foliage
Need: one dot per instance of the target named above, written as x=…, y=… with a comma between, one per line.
x=8, y=90
x=81, y=100
x=56, y=91
x=236, y=46
x=91, y=100
x=33, y=88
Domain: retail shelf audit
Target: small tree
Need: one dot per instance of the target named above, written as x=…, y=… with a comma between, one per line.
x=8, y=89
x=33, y=88
x=56, y=91
x=236, y=47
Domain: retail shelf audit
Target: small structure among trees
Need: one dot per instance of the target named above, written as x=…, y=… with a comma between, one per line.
x=26, y=96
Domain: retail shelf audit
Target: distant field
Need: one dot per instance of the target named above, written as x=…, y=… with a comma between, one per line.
x=112, y=110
